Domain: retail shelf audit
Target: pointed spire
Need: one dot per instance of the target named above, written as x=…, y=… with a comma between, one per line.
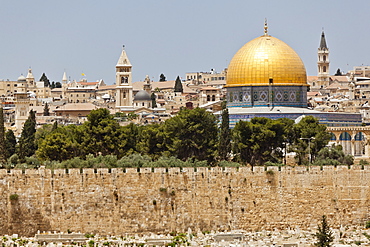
x=123, y=59
x=64, y=80
x=323, y=41
x=266, y=27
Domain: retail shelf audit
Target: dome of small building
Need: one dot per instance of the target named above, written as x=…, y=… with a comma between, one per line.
x=265, y=58
x=21, y=78
x=142, y=95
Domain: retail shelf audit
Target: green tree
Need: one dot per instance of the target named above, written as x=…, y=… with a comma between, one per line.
x=259, y=140
x=46, y=110
x=241, y=136
x=154, y=102
x=101, y=134
x=27, y=144
x=57, y=146
x=192, y=134
x=309, y=138
x=3, y=153
x=10, y=143
x=129, y=139
x=45, y=79
x=178, y=86
x=58, y=84
x=324, y=235
x=150, y=140
x=162, y=77
x=338, y=73
x=333, y=156
x=224, y=146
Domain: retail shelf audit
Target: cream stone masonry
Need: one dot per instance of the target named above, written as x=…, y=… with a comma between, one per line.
x=117, y=201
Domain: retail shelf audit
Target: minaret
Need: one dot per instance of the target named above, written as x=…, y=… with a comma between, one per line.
x=323, y=62
x=64, y=79
x=123, y=81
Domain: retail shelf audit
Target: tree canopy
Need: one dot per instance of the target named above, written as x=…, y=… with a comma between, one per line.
x=191, y=135
x=27, y=145
x=324, y=235
x=162, y=77
x=224, y=146
x=178, y=86
x=45, y=79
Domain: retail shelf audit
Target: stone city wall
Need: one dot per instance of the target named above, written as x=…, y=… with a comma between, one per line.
x=161, y=200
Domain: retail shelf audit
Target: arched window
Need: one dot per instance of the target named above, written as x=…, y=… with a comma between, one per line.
x=208, y=98
x=324, y=58
x=324, y=69
x=213, y=98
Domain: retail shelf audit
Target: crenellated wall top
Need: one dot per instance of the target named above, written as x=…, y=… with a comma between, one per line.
x=179, y=170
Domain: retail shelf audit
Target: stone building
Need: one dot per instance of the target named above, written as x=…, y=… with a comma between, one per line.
x=8, y=88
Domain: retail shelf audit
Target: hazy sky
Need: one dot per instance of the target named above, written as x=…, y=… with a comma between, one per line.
x=171, y=36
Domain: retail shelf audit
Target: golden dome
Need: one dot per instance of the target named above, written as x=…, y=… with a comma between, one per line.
x=265, y=58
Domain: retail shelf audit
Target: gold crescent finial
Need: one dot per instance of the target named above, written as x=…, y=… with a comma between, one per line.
x=266, y=27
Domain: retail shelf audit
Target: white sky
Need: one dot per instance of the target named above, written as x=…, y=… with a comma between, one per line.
x=171, y=36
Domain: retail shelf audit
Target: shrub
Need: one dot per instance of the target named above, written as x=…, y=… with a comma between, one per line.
x=14, y=159
x=363, y=163
x=225, y=163
x=367, y=224
x=270, y=172
x=107, y=161
x=13, y=197
x=134, y=160
x=76, y=162
x=166, y=161
x=91, y=243
x=269, y=163
x=32, y=162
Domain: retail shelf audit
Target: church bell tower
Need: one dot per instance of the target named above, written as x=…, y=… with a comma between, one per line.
x=123, y=81
x=323, y=62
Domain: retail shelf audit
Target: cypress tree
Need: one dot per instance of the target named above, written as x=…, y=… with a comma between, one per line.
x=27, y=145
x=10, y=143
x=45, y=79
x=162, y=77
x=154, y=102
x=2, y=138
x=324, y=235
x=224, y=146
x=178, y=86
x=46, y=110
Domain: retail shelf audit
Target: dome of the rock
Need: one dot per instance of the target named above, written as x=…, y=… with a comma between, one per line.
x=266, y=72
x=265, y=58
